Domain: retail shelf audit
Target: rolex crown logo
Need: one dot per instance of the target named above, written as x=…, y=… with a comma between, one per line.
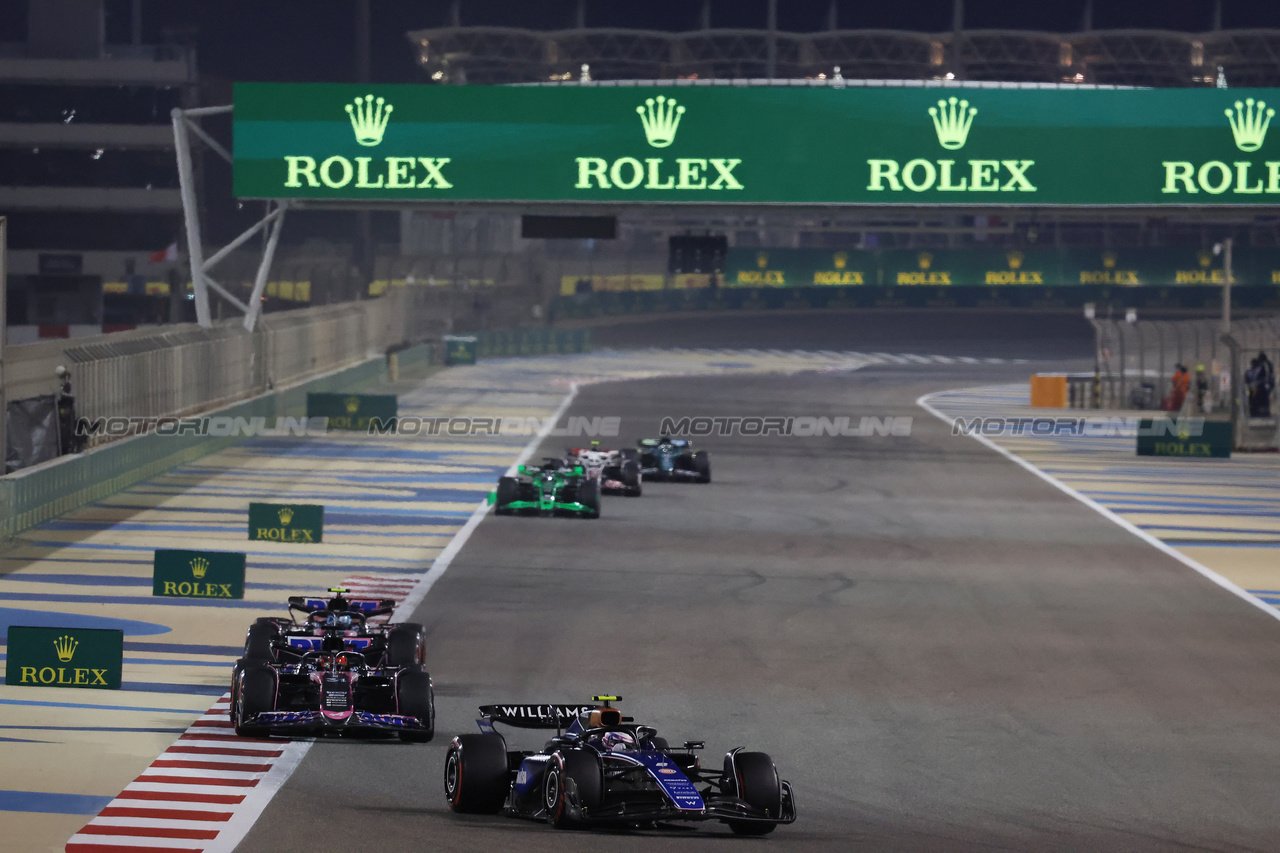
x=952, y=119
x=198, y=567
x=286, y=514
x=660, y=117
x=1204, y=258
x=762, y=259
x=925, y=259
x=1249, y=123
x=841, y=260
x=369, y=119
x=1109, y=260
x=65, y=646
x=1015, y=259
x=352, y=404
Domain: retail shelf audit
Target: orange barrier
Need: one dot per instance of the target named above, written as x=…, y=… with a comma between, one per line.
x=1049, y=390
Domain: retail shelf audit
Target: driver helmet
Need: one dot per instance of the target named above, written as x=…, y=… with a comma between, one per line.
x=618, y=742
x=338, y=620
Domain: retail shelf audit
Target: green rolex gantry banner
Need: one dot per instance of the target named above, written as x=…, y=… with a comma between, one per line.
x=714, y=144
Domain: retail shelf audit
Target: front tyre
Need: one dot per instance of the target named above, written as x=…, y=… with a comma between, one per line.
x=416, y=697
x=406, y=645
x=583, y=770
x=253, y=691
x=589, y=497
x=631, y=476
x=754, y=779
x=508, y=491
x=258, y=643
x=702, y=466
x=476, y=777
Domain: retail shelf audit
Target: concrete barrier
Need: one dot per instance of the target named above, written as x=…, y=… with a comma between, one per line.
x=34, y=495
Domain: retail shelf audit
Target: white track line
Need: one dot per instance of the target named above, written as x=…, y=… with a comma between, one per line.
x=256, y=800
x=923, y=402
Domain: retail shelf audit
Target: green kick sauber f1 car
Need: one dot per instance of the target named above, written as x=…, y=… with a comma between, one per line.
x=548, y=489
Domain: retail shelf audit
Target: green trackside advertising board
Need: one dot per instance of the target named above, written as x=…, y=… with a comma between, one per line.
x=798, y=267
x=1192, y=438
x=745, y=145
x=64, y=657
x=351, y=411
x=293, y=523
x=997, y=267
x=459, y=349
x=197, y=574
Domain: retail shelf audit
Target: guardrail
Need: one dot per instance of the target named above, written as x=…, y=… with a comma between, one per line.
x=184, y=369
x=31, y=496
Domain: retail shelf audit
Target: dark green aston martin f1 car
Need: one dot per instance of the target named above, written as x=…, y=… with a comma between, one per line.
x=548, y=489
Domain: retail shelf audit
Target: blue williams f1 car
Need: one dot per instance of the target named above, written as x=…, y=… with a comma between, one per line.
x=601, y=769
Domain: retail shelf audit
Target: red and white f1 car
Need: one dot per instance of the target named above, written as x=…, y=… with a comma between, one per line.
x=617, y=471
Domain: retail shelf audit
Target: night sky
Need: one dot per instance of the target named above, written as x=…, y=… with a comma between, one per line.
x=313, y=39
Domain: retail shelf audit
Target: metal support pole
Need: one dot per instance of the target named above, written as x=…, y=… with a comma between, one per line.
x=1226, y=286
x=957, y=26
x=771, y=66
x=4, y=340
x=191, y=217
x=260, y=282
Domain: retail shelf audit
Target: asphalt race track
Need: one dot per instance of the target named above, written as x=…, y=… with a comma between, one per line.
x=941, y=651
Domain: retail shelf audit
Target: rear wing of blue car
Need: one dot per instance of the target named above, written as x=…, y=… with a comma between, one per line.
x=551, y=716
x=367, y=606
x=533, y=716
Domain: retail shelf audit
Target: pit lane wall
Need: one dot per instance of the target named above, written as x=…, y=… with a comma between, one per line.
x=34, y=495
x=513, y=343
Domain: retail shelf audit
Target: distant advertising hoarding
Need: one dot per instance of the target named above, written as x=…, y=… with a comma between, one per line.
x=969, y=267
x=747, y=145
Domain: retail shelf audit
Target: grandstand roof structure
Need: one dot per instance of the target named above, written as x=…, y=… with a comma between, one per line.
x=1156, y=58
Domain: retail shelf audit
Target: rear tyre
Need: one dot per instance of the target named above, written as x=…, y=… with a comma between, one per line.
x=257, y=643
x=476, y=778
x=253, y=691
x=508, y=491
x=702, y=466
x=588, y=779
x=631, y=476
x=754, y=778
x=416, y=697
x=406, y=644
x=589, y=496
